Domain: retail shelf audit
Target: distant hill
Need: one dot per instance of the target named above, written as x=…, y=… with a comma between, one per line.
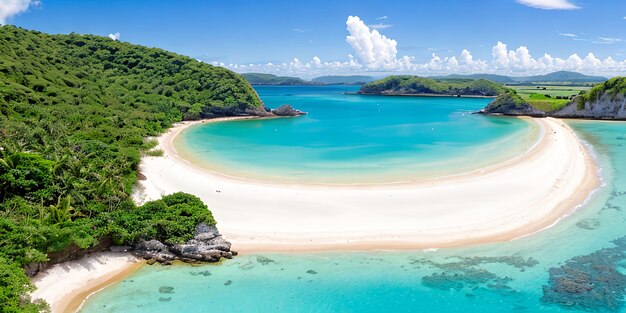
x=556, y=77
x=270, y=79
x=492, y=77
x=561, y=76
x=414, y=85
x=345, y=80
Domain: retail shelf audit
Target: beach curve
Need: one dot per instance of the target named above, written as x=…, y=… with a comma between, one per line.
x=501, y=202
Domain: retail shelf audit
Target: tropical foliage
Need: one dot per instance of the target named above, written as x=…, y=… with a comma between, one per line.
x=414, y=85
x=75, y=112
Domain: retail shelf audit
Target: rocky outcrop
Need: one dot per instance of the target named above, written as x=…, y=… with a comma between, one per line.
x=511, y=104
x=607, y=106
x=287, y=110
x=207, y=245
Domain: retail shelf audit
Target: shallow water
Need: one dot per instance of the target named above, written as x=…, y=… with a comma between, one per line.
x=356, y=139
x=503, y=277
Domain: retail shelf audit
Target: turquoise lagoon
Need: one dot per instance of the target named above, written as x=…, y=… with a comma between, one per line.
x=503, y=277
x=356, y=139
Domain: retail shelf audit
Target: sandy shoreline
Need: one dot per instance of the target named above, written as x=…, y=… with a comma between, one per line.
x=67, y=285
x=502, y=202
x=498, y=203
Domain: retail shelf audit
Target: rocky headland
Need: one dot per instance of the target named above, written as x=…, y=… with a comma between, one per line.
x=606, y=101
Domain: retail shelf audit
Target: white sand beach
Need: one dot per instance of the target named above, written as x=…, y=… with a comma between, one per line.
x=498, y=203
x=65, y=286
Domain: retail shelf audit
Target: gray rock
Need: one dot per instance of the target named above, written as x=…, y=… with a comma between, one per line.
x=207, y=246
x=287, y=110
x=203, y=228
x=606, y=107
x=150, y=245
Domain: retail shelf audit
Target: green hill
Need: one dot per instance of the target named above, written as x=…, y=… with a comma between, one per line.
x=560, y=77
x=270, y=79
x=492, y=77
x=75, y=112
x=414, y=85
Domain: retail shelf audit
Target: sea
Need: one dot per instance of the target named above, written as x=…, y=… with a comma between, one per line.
x=578, y=265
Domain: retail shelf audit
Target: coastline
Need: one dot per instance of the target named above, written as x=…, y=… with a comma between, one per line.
x=258, y=216
x=419, y=95
x=66, y=286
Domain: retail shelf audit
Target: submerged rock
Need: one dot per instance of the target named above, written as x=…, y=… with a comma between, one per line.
x=208, y=245
x=590, y=282
x=467, y=274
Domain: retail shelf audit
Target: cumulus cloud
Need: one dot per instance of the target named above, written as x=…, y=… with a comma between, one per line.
x=550, y=4
x=115, y=36
x=373, y=49
x=10, y=8
x=376, y=53
x=313, y=67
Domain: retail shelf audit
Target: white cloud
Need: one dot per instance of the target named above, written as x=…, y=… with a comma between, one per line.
x=373, y=49
x=298, y=30
x=550, y=4
x=607, y=40
x=386, y=17
x=567, y=35
x=376, y=53
x=10, y=8
x=115, y=36
x=379, y=26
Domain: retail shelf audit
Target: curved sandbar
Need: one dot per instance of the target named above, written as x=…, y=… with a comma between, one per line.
x=502, y=202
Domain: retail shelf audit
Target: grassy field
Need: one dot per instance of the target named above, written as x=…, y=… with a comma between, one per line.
x=546, y=98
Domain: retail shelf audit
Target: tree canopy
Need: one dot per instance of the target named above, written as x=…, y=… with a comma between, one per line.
x=415, y=85
x=75, y=115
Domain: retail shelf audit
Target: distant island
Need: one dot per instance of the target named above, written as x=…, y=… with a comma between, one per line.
x=270, y=79
x=406, y=85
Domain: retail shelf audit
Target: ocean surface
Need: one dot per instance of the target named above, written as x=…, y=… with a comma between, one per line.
x=356, y=139
x=579, y=265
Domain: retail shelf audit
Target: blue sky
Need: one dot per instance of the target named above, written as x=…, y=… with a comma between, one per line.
x=420, y=37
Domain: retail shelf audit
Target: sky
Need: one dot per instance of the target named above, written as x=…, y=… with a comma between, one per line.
x=313, y=38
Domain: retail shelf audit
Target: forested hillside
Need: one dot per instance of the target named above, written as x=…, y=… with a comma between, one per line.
x=75, y=112
x=415, y=85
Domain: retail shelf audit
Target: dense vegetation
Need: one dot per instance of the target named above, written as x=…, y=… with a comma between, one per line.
x=613, y=87
x=75, y=112
x=414, y=85
x=508, y=102
x=270, y=79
